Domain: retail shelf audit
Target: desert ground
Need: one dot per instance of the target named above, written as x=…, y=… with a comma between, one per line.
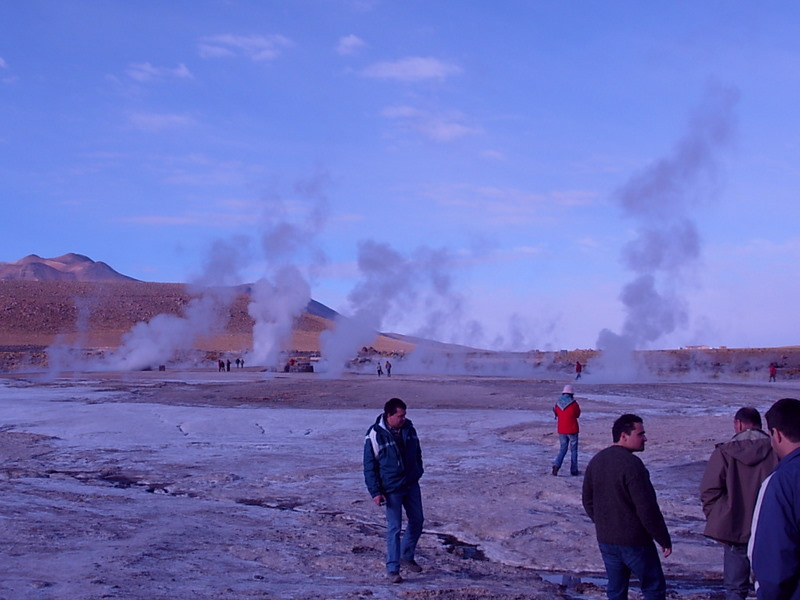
x=195, y=484
x=188, y=483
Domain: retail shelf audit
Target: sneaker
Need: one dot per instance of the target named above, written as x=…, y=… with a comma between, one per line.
x=410, y=565
x=394, y=577
x=555, y=470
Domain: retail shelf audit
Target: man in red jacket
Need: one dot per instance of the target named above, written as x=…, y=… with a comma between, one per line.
x=567, y=412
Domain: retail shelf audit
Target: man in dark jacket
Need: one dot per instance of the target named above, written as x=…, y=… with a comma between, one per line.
x=775, y=540
x=621, y=501
x=728, y=492
x=392, y=469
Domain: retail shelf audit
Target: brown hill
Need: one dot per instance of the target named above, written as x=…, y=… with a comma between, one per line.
x=93, y=315
x=69, y=267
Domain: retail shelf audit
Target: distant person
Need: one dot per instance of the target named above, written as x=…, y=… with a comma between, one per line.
x=237, y=362
x=228, y=365
x=392, y=469
x=775, y=539
x=578, y=369
x=567, y=412
x=728, y=492
x=388, y=369
x=380, y=370
x=221, y=365
x=620, y=500
x=773, y=371
x=242, y=362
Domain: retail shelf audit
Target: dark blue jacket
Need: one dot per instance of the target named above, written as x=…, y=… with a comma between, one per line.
x=386, y=468
x=776, y=537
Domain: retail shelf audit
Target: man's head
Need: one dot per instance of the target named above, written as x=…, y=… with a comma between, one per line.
x=394, y=413
x=746, y=417
x=628, y=432
x=783, y=421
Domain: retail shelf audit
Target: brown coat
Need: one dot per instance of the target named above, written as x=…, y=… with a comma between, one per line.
x=730, y=485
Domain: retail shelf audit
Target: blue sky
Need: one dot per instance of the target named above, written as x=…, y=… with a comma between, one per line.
x=468, y=163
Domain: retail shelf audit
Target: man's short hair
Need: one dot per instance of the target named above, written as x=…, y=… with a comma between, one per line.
x=392, y=406
x=625, y=424
x=784, y=415
x=749, y=415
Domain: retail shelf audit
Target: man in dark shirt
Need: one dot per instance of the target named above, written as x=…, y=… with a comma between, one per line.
x=621, y=501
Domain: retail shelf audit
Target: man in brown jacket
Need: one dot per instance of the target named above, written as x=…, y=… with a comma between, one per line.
x=728, y=492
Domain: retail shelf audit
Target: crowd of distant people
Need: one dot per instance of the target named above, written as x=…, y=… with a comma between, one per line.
x=225, y=365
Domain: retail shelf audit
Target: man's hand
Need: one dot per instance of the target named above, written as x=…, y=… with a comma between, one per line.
x=666, y=551
x=379, y=500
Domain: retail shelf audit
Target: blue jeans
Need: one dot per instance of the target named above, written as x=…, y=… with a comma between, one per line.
x=566, y=439
x=409, y=498
x=642, y=561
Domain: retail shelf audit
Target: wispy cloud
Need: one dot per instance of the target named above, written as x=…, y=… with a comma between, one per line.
x=414, y=68
x=570, y=198
x=505, y=205
x=349, y=44
x=159, y=121
x=9, y=78
x=254, y=47
x=437, y=127
x=144, y=72
x=493, y=155
x=204, y=219
x=442, y=129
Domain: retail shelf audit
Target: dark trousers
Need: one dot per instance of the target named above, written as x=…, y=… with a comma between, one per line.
x=642, y=561
x=736, y=571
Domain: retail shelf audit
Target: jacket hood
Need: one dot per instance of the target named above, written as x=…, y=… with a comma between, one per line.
x=381, y=422
x=565, y=400
x=750, y=447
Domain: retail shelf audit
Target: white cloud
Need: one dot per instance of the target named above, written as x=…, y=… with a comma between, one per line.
x=574, y=197
x=144, y=72
x=440, y=128
x=254, y=47
x=411, y=69
x=4, y=65
x=349, y=44
x=495, y=205
x=159, y=121
x=493, y=155
x=206, y=219
x=400, y=112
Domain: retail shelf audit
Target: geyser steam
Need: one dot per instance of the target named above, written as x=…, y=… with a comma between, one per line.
x=659, y=199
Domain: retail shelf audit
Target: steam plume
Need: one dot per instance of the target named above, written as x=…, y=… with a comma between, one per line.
x=659, y=199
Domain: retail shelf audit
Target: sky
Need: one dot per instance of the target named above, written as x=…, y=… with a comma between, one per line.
x=515, y=175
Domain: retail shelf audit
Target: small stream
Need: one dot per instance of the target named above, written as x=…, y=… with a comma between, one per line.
x=576, y=584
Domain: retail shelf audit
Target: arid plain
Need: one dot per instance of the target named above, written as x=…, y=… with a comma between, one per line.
x=192, y=483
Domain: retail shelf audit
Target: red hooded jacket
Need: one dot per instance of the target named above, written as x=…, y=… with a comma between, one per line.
x=568, y=416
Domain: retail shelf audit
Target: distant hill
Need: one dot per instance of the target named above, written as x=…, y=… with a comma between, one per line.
x=85, y=302
x=69, y=267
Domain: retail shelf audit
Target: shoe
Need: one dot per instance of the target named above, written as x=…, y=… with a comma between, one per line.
x=410, y=565
x=575, y=473
x=555, y=470
x=394, y=577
